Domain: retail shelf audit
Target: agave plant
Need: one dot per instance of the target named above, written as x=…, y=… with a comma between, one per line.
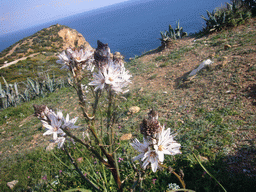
x=3, y=99
x=34, y=87
x=216, y=20
x=176, y=33
x=172, y=34
x=10, y=95
x=25, y=96
x=50, y=84
x=165, y=39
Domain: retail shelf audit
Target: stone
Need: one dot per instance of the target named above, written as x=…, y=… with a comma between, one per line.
x=71, y=37
x=134, y=109
x=12, y=184
x=118, y=57
x=212, y=55
x=50, y=147
x=225, y=61
x=227, y=46
x=127, y=136
x=203, y=159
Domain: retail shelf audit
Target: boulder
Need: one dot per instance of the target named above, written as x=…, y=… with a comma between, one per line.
x=12, y=184
x=134, y=109
x=72, y=38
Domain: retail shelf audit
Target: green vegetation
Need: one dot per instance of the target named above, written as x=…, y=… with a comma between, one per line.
x=213, y=116
x=236, y=13
x=168, y=36
x=11, y=96
x=45, y=40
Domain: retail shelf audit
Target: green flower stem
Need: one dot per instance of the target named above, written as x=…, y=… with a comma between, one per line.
x=117, y=167
x=89, y=147
x=110, y=132
x=186, y=190
x=208, y=172
x=180, y=179
x=60, y=160
x=79, y=171
x=97, y=97
x=111, y=162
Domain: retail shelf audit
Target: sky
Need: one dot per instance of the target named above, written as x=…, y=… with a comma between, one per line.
x=20, y=14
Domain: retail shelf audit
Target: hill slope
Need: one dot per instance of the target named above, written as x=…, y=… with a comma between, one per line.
x=213, y=113
x=34, y=55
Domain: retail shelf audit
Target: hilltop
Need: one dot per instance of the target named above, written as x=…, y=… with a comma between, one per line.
x=36, y=54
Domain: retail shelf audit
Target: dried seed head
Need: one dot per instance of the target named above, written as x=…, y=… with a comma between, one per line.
x=153, y=114
x=41, y=111
x=150, y=127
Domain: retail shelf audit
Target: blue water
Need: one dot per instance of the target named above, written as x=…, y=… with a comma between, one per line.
x=132, y=27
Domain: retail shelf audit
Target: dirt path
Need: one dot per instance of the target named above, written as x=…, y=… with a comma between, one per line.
x=16, y=61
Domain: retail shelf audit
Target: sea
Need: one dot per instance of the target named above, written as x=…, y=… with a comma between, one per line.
x=132, y=27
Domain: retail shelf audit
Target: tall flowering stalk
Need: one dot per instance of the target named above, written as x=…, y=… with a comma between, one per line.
x=106, y=78
x=102, y=74
x=157, y=142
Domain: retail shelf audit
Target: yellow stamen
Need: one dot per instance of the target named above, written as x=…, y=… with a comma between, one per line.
x=110, y=79
x=160, y=147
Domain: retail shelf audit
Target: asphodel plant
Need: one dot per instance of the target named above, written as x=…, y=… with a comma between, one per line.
x=105, y=77
x=100, y=80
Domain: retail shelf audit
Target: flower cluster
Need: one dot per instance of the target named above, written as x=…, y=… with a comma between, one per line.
x=112, y=75
x=55, y=123
x=157, y=142
x=74, y=59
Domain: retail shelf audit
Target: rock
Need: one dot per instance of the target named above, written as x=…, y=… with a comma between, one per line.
x=71, y=37
x=50, y=147
x=203, y=159
x=12, y=184
x=118, y=57
x=127, y=136
x=201, y=66
x=225, y=61
x=212, y=55
x=134, y=109
x=227, y=46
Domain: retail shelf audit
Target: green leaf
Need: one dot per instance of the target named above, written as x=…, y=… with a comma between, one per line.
x=78, y=189
x=186, y=190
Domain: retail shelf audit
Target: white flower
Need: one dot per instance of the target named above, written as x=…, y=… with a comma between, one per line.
x=64, y=59
x=81, y=55
x=54, y=126
x=90, y=65
x=166, y=144
x=113, y=75
x=150, y=157
x=70, y=123
x=141, y=147
x=98, y=81
x=60, y=141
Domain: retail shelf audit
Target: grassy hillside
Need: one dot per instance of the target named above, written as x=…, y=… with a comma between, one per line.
x=39, y=48
x=213, y=114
